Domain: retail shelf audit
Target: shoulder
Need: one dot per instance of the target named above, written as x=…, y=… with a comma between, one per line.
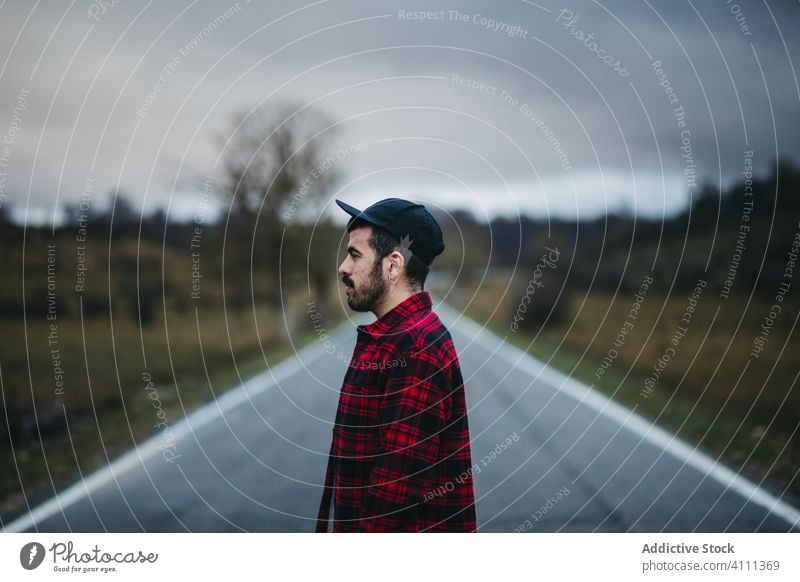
x=426, y=333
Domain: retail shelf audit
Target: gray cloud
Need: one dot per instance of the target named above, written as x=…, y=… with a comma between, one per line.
x=391, y=81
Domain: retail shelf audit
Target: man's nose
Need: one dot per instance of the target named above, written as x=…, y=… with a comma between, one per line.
x=344, y=268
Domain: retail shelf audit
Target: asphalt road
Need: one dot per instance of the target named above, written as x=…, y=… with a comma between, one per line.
x=255, y=459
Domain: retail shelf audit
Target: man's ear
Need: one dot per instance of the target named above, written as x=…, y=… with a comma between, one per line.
x=396, y=264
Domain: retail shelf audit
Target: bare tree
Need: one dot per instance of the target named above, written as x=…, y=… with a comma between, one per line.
x=277, y=165
x=276, y=160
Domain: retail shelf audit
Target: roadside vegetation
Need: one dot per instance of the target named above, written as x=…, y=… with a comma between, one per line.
x=118, y=322
x=708, y=350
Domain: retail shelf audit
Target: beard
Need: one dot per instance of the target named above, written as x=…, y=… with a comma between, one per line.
x=368, y=294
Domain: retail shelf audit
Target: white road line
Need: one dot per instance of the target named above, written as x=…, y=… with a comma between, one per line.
x=622, y=415
x=137, y=456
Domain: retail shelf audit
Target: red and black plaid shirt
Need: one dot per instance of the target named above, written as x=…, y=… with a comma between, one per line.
x=400, y=455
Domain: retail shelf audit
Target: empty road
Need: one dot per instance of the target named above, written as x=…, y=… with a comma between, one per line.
x=254, y=460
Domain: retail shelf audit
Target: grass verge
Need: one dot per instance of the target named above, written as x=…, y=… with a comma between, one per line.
x=93, y=423
x=745, y=415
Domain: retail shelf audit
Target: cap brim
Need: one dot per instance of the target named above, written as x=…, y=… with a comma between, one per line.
x=351, y=210
x=356, y=213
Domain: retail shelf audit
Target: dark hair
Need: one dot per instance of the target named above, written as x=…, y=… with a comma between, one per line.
x=384, y=243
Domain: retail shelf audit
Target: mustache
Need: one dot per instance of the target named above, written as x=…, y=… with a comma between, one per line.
x=348, y=281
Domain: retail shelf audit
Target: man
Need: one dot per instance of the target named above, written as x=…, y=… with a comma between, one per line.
x=400, y=455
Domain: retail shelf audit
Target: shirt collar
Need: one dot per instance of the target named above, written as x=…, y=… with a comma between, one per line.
x=417, y=302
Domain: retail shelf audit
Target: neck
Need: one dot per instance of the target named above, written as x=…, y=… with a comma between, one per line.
x=393, y=298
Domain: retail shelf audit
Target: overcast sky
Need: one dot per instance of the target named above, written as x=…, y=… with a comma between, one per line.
x=498, y=107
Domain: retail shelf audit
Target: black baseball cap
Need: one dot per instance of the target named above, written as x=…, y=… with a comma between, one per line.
x=404, y=220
